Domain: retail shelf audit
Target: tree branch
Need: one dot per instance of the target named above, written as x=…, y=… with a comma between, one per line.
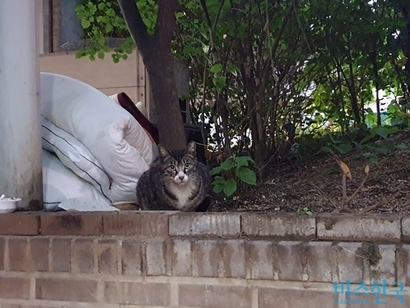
x=136, y=26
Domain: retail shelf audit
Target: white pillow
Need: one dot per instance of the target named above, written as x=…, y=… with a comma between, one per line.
x=108, y=131
x=61, y=184
x=75, y=156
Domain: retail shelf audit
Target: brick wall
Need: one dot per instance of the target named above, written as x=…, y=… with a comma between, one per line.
x=134, y=259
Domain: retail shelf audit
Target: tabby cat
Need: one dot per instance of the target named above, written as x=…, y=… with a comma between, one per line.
x=175, y=181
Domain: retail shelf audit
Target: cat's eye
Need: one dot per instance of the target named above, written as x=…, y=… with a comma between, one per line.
x=172, y=167
x=186, y=165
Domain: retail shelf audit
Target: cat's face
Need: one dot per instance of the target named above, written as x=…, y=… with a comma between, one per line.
x=178, y=166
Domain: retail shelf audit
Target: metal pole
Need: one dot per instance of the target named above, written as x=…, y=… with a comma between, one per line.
x=20, y=119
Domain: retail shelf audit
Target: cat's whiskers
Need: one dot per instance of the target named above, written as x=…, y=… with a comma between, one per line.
x=181, y=178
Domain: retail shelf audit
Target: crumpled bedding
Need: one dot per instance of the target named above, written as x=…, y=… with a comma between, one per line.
x=102, y=147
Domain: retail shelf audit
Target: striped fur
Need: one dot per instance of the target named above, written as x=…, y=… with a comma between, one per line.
x=174, y=181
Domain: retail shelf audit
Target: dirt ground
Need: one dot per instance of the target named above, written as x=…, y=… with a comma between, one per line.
x=315, y=186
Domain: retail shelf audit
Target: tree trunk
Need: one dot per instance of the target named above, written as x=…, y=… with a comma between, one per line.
x=157, y=57
x=166, y=104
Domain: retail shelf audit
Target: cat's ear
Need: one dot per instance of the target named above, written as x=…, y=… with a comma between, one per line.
x=191, y=149
x=163, y=152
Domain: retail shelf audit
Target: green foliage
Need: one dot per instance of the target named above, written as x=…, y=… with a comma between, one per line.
x=238, y=168
x=254, y=65
x=149, y=11
x=102, y=19
x=305, y=210
x=362, y=140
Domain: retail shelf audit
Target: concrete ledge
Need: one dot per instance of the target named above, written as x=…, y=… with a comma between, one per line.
x=359, y=228
x=328, y=227
x=292, y=227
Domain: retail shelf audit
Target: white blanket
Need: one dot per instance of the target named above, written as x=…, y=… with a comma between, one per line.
x=117, y=144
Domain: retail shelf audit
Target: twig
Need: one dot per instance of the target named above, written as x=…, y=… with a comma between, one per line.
x=324, y=194
x=358, y=189
x=344, y=192
x=384, y=201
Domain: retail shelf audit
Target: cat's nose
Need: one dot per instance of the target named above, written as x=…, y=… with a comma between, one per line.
x=181, y=177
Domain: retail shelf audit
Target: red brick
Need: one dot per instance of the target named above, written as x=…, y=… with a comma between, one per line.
x=107, y=256
x=39, y=249
x=132, y=257
x=2, y=252
x=16, y=288
x=19, y=223
x=214, y=296
x=152, y=294
x=18, y=256
x=66, y=223
x=66, y=290
x=136, y=224
x=82, y=260
x=60, y=254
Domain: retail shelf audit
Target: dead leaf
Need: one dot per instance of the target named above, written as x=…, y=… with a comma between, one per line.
x=366, y=169
x=345, y=169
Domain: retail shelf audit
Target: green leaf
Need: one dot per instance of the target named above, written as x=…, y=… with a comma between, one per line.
x=85, y=23
x=228, y=164
x=402, y=146
x=367, y=138
x=382, y=150
x=115, y=58
x=243, y=160
x=217, y=68
x=216, y=170
x=344, y=148
x=219, y=82
x=393, y=130
x=218, y=188
x=179, y=15
x=382, y=131
x=101, y=55
x=326, y=149
x=101, y=6
x=108, y=28
x=101, y=41
x=81, y=53
x=371, y=157
x=246, y=175
x=218, y=184
x=230, y=187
